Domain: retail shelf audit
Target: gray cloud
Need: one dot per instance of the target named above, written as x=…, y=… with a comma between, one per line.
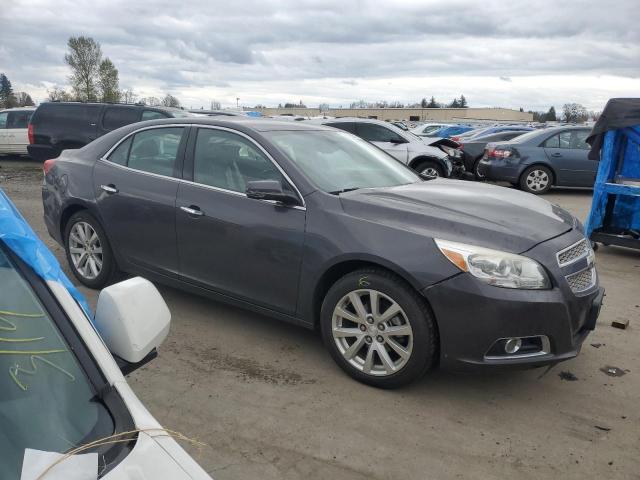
x=203, y=45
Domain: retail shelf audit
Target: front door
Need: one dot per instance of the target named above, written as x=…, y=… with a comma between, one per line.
x=136, y=189
x=245, y=248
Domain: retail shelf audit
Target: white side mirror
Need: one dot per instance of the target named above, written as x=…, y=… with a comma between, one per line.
x=132, y=318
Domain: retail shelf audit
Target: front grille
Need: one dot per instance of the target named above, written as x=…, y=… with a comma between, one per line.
x=573, y=253
x=582, y=281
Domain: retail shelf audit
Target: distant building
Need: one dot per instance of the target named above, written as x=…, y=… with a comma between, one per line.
x=409, y=114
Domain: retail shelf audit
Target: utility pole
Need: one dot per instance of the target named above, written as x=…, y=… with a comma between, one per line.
x=238, y=102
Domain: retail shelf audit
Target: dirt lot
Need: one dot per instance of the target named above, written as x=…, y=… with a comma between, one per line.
x=271, y=404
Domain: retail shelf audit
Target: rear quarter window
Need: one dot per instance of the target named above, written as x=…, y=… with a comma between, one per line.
x=19, y=119
x=65, y=116
x=116, y=117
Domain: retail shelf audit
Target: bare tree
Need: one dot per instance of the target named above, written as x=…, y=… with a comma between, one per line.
x=574, y=113
x=25, y=100
x=58, y=94
x=108, y=83
x=151, y=101
x=170, y=101
x=84, y=58
x=215, y=105
x=127, y=96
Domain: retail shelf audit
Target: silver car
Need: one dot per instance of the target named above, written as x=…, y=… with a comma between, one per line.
x=416, y=152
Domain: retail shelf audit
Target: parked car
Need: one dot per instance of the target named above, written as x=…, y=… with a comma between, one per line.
x=322, y=229
x=473, y=148
x=60, y=386
x=449, y=131
x=57, y=126
x=426, y=128
x=409, y=149
x=540, y=159
x=483, y=132
x=13, y=130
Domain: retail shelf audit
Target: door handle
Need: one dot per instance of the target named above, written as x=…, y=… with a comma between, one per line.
x=192, y=210
x=110, y=189
x=556, y=154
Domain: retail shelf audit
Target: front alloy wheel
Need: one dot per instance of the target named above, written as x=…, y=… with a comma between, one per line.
x=378, y=329
x=372, y=332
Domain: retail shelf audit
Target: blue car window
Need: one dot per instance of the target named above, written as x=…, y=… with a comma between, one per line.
x=552, y=142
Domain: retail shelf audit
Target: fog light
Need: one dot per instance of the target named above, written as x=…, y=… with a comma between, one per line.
x=512, y=345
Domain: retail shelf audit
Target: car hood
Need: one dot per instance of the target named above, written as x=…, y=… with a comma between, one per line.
x=467, y=212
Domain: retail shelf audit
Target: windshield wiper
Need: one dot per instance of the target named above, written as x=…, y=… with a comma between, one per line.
x=350, y=189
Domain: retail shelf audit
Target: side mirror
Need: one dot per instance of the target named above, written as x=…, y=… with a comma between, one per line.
x=270, y=190
x=133, y=320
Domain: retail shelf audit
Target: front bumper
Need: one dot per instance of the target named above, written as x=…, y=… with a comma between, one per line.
x=472, y=316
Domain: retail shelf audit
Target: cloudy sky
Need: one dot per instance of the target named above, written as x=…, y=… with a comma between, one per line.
x=514, y=53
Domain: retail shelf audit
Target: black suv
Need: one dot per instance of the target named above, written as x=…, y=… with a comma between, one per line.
x=57, y=126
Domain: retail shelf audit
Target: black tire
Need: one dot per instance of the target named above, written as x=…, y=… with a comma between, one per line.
x=543, y=172
x=109, y=270
x=430, y=166
x=425, y=341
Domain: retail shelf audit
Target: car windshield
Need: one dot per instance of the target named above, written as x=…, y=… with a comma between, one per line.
x=337, y=161
x=46, y=401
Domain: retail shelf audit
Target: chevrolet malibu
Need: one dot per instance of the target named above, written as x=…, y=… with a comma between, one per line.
x=322, y=229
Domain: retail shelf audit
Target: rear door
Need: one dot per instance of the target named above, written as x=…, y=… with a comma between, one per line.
x=17, y=138
x=567, y=152
x=117, y=116
x=245, y=248
x=136, y=187
x=385, y=138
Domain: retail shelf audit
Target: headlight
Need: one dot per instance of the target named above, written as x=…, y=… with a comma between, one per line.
x=494, y=267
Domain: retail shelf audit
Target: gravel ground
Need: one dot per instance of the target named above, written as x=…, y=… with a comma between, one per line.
x=271, y=404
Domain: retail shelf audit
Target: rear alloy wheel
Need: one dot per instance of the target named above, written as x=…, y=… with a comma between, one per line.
x=537, y=179
x=380, y=332
x=88, y=252
x=429, y=169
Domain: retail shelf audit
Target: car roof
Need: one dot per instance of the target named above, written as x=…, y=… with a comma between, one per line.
x=252, y=123
x=139, y=105
x=17, y=109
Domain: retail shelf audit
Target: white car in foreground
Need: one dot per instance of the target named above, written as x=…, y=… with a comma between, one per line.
x=66, y=410
x=14, y=136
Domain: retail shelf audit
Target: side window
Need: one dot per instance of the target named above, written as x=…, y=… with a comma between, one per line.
x=116, y=117
x=565, y=140
x=377, y=133
x=156, y=150
x=552, y=142
x=346, y=126
x=578, y=140
x=120, y=154
x=152, y=115
x=19, y=119
x=3, y=119
x=225, y=160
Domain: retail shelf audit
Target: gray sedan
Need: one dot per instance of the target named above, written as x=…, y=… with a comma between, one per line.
x=322, y=229
x=538, y=160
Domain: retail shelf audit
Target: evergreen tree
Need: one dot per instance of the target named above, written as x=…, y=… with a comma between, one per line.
x=423, y=103
x=433, y=104
x=7, y=97
x=463, y=102
x=551, y=115
x=454, y=104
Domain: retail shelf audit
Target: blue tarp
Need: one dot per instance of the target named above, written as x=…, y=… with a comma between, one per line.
x=16, y=234
x=619, y=159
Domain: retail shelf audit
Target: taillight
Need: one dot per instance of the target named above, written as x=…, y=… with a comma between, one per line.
x=495, y=153
x=32, y=139
x=455, y=138
x=46, y=166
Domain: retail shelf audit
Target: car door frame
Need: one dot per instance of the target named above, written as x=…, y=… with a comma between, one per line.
x=188, y=179
x=563, y=160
